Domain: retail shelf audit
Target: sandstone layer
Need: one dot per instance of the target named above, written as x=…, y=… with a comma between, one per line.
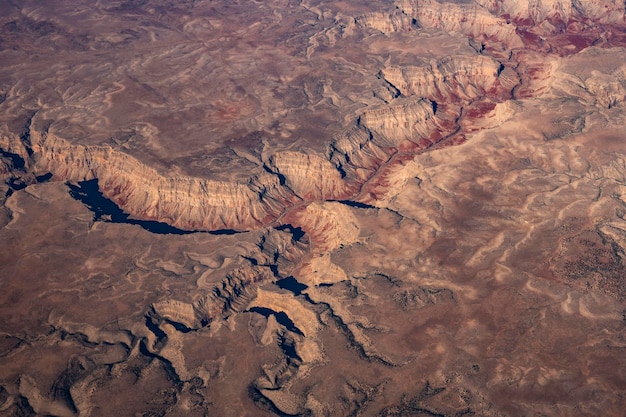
x=312, y=208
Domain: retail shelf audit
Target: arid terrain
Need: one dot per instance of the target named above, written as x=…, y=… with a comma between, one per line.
x=314, y=208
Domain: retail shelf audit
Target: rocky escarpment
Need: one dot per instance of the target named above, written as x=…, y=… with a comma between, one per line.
x=368, y=254
x=184, y=202
x=469, y=19
x=557, y=11
x=464, y=77
x=426, y=103
x=386, y=22
x=277, y=254
x=310, y=176
x=562, y=26
x=408, y=123
x=379, y=133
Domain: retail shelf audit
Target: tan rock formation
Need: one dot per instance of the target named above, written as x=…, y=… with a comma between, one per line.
x=320, y=270
x=467, y=18
x=534, y=12
x=329, y=225
x=536, y=71
x=487, y=115
x=458, y=76
x=184, y=202
x=355, y=153
x=605, y=89
x=172, y=351
x=383, y=274
x=352, y=159
x=177, y=312
x=309, y=176
x=386, y=22
x=284, y=401
x=303, y=318
x=380, y=132
x=232, y=295
x=388, y=182
x=405, y=119
x=40, y=404
x=351, y=324
x=282, y=249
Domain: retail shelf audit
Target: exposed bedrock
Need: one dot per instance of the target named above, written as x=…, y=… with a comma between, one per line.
x=561, y=26
x=536, y=12
x=605, y=89
x=458, y=76
x=192, y=203
x=405, y=119
x=228, y=297
x=184, y=202
x=469, y=19
x=505, y=21
x=379, y=133
x=310, y=176
x=329, y=225
x=279, y=254
x=304, y=319
x=386, y=22
x=439, y=100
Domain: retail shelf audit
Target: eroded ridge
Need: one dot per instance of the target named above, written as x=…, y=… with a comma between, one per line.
x=428, y=109
x=363, y=264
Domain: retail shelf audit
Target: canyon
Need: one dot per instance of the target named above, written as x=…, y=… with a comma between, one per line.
x=313, y=208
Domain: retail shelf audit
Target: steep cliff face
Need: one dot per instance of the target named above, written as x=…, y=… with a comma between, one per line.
x=185, y=202
x=405, y=119
x=386, y=22
x=276, y=255
x=608, y=90
x=310, y=176
x=426, y=103
x=561, y=11
x=605, y=89
x=230, y=296
x=536, y=71
x=369, y=246
x=461, y=76
x=379, y=133
x=192, y=203
x=356, y=155
x=329, y=225
x=469, y=19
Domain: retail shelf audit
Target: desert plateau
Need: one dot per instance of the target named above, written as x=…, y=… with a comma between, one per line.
x=313, y=208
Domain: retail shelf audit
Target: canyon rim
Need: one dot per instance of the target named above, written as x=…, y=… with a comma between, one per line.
x=374, y=208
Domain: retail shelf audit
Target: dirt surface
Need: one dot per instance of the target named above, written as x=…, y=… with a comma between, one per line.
x=312, y=208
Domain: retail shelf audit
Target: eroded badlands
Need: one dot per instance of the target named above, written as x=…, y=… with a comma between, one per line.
x=329, y=208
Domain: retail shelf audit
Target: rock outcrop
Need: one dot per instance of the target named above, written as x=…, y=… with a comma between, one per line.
x=405, y=119
x=464, y=77
x=320, y=270
x=386, y=22
x=232, y=295
x=184, y=202
x=311, y=177
x=365, y=252
x=605, y=89
x=557, y=11
x=329, y=225
x=469, y=19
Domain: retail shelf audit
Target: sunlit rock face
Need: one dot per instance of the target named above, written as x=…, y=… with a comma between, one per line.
x=468, y=18
x=463, y=77
x=312, y=208
x=561, y=11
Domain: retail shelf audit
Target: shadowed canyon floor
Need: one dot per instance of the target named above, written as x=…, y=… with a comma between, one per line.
x=383, y=208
